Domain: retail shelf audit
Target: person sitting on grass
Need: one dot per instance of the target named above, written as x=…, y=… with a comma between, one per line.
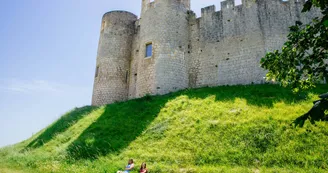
x=128, y=168
x=143, y=168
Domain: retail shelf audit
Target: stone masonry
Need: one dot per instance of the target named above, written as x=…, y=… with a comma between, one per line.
x=219, y=48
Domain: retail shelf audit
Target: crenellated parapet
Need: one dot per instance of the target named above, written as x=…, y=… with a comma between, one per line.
x=151, y=4
x=229, y=5
x=209, y=10
x=268, y=15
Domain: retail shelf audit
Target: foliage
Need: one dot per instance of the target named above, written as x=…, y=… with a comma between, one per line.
x=302, y=62
x=222, y=129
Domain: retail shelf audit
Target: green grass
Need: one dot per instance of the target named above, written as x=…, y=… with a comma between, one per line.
x=222, y=129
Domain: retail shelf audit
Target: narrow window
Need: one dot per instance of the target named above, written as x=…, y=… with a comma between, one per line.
x=97, y=71
x=149, y=50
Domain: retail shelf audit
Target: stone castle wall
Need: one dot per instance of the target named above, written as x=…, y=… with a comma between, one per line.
x=113, y=59
x=219, y=48
x=227, y=45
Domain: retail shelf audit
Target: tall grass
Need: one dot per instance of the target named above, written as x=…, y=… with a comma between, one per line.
x=221, y=129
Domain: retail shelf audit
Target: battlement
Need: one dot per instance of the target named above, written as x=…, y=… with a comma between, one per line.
x=208, y=10
x=269, y=17
x=230, y=5
x=150, y=4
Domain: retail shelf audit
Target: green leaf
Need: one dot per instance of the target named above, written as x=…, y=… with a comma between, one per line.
x=325, y=23
x=294, y=65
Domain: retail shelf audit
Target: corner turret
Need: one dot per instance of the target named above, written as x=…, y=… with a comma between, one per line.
x=113, y=59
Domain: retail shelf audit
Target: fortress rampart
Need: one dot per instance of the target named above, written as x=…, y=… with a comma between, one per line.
x=168, y=48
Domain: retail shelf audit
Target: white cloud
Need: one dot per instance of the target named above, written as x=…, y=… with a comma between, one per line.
x=35, y=86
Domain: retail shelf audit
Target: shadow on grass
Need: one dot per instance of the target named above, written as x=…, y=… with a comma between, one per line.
x=264, y=95
x=60, y=126
x=116, y=128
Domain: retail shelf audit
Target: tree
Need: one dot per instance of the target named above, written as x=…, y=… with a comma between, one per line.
x=303, y=60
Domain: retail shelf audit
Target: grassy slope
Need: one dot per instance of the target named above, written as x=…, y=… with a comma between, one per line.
x=222, y=129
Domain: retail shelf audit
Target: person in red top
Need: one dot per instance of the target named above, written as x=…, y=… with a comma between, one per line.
x=143, y=168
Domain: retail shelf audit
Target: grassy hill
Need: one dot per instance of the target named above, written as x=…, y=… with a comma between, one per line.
x=222, y=129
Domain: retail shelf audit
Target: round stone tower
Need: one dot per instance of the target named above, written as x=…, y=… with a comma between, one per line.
x=113, y=58
x=163, y=26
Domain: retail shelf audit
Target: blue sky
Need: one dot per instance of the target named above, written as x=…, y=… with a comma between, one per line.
x=47, y=59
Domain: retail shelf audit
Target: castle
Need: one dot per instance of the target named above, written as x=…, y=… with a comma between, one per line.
x=168, y=48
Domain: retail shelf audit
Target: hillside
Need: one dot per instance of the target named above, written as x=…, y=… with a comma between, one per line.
x=222, y=129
